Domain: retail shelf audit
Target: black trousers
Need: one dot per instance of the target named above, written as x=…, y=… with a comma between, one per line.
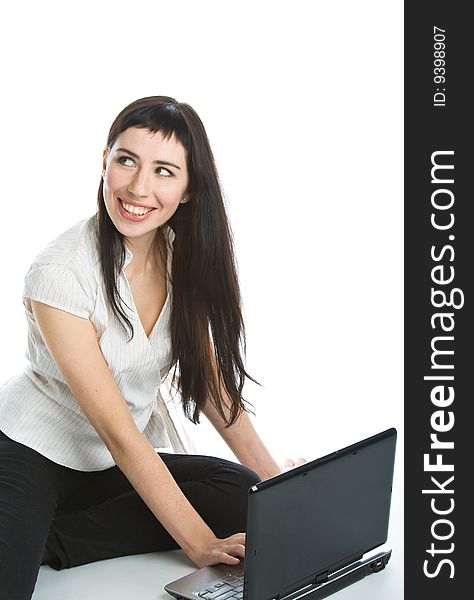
x=83, y=517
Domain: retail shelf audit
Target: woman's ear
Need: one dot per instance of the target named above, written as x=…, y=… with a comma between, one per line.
x=186, y=198
x=104, y=161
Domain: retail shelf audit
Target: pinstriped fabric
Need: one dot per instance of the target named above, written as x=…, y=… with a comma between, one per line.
x=37, y=408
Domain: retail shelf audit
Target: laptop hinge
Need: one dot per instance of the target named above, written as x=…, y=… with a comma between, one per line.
x=304, y=584
x=322, y=577
x=296, y=590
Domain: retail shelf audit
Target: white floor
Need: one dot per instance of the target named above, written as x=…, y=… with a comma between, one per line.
x=128, y=578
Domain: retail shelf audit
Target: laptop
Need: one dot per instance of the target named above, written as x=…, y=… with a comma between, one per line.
x=311, y=531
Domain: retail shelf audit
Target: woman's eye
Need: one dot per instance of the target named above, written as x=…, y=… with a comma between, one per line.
x=122, y=160
x=163, y=171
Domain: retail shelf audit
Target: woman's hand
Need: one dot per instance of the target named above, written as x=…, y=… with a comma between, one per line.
x=214, y=551
x=291, y=464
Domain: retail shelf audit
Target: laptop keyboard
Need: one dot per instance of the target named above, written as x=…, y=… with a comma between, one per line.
x=231, y=586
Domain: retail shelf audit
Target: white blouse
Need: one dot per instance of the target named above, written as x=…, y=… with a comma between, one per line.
x=37, y=408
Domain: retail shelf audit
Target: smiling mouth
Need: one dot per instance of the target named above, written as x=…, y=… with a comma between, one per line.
x=138, y=211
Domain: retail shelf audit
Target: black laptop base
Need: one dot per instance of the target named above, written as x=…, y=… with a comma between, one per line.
x=343, y=578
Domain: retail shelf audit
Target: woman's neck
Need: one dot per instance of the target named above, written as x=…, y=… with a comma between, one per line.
x=144, y=250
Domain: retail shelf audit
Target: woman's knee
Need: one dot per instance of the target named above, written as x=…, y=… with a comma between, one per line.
x=245, y=478
x=208, y=469
x=234, y=476
x=234, y=482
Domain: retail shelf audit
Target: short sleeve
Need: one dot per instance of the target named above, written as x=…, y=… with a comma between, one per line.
x=57, y=286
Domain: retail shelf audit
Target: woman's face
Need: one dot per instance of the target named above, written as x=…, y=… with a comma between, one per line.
x=145, y=180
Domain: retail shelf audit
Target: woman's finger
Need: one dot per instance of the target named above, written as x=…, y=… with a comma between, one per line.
x=227, y=559
x=288, y=464
x=291, y=464
x=236, y=538
x=238, y=549
x=230, y=555
x=233, y=549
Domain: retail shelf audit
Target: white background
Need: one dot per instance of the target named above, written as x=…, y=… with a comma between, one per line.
x=302, y=103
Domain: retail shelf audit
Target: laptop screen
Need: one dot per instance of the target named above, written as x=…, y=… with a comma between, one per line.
x=319, y=517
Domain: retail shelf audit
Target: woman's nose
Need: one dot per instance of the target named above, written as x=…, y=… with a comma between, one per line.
x=140, y=184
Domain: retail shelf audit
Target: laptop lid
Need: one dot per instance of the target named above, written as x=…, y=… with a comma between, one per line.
x=311, y=521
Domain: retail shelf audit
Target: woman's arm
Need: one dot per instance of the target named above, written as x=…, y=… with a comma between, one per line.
x=72, y=343
x=244, y=441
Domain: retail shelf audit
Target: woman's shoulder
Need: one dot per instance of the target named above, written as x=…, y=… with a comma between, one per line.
x=75, y=248
x=65, y=274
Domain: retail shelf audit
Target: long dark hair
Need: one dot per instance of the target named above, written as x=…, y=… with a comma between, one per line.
x=207, y=329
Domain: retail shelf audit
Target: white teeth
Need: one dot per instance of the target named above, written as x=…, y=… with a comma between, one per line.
x=135, y=210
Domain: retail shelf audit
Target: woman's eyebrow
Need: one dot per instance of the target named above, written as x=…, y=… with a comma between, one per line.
x=161, y=162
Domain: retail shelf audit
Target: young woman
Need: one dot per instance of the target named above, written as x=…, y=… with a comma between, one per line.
x=144, y=289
